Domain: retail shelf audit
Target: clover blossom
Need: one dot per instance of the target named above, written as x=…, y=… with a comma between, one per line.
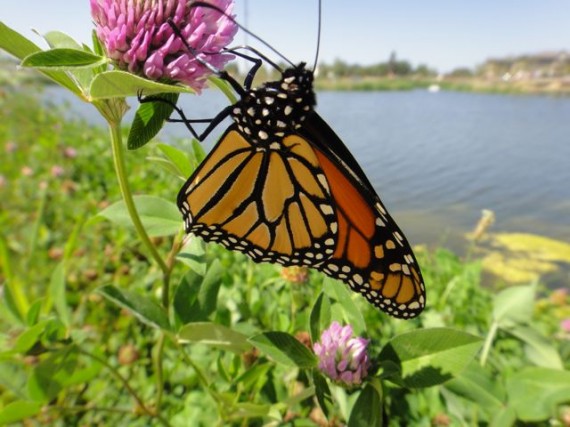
x=342, y=357
x=565, y=325
x=138, y=38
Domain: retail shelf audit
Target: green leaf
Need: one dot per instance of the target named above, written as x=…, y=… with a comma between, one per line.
x=33, y=314
x=344, y=297
x=538, y=348
x=193, y=255
x=57, y=39
x=367, y=410
x=49, y=376
x=19, y=46
x=149, y=119
x=254, y=378
x=13, y=377
x=186, y=295
x=62, y=59
x=479, y=386
x=514, y=305
x=55, y=332
x=118, y=84
x=29, y=337
x=245, y=410
x=58, y=295
x=83, y=374
x=320, y=317
x=198, y=150
x=10, y=303
x=145, y=309
x=208, y=296
x=534, y=393
x=197, y=296
x=214, y=335
x=323, y=392
x=160, y=217
x=428, y=357
x=285, y=349
x=178, y=158
x=18, y=411
x=504, y=417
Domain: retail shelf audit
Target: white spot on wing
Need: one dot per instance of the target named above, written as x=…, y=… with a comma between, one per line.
x=326, y=209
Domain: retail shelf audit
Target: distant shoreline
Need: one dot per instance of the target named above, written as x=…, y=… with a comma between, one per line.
x=551, y=87
x=554, y=87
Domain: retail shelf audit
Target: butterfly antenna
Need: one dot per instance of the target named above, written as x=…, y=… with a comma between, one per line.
x=190, y=49
x=320, y=16
x=220, y=73
x=241, y=27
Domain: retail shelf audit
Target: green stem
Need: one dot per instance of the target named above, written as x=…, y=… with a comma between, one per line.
x=126, y=384
x=120, y=170
x=201, y=376
x=159, y=354
x=36, y=226
x=87, y=408
x=488, y=343
x=159, y=371
x=166, y=267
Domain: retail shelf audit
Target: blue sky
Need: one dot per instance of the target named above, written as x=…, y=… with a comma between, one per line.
x=442, y=33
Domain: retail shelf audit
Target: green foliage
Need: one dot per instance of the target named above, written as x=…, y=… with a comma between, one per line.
x=230, y=351
x=101, y=324
x=149, y=119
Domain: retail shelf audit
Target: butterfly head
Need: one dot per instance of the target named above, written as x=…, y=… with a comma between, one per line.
x=297, y=83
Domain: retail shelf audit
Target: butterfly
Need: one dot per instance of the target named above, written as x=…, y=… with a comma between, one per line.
x=281, y=187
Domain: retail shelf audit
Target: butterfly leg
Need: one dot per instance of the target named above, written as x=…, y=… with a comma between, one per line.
x=213, y=122
x=256, y=62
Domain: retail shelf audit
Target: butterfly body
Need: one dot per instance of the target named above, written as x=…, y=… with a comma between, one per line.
x=281, y=187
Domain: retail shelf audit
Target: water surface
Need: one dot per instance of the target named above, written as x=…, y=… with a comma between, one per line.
x=437, y=159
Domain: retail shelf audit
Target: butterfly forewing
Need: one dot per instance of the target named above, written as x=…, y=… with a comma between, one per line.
x=272, y=204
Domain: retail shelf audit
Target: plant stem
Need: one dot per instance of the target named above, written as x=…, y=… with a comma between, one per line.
x=126, y=385
x=120, y=171
x=87, y=408
x=36, y=226
x=488, y=343
x=201, y=376
x=159, y=371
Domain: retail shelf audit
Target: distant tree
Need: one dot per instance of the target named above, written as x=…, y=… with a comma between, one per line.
x=392, y=63
x=402, y=68
x=379, y=70
x=424, y=71
x=461, y=72
x=339, y=68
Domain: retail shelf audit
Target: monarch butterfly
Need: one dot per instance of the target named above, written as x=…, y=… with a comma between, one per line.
x=281, y=187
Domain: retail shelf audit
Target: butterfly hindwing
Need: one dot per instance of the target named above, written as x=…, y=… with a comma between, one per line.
x=371, y=254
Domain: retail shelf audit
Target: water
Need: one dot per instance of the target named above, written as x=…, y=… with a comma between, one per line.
x=438, y=159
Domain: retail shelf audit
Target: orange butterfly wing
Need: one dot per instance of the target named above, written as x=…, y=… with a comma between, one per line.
x=371, y=254
x=272, y=204
x=294, y=204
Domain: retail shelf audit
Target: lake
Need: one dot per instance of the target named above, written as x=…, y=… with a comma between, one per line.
x=438, y=159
